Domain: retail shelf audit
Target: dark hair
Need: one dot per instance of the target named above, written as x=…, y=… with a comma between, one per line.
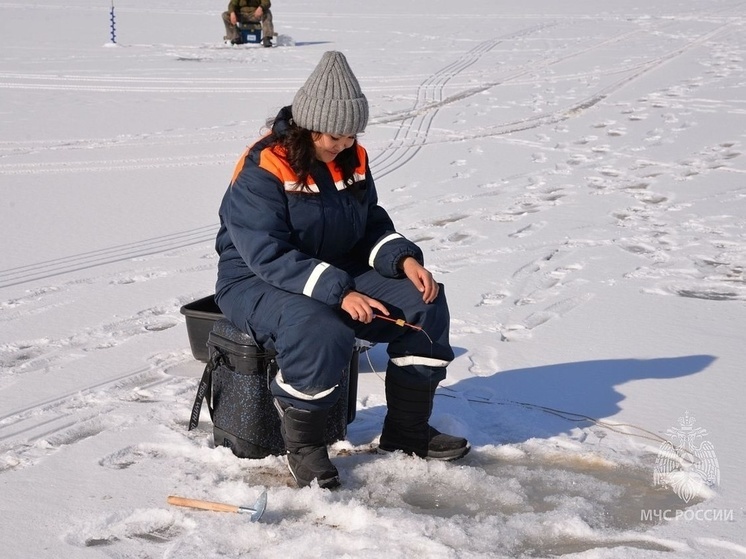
x=301, y=154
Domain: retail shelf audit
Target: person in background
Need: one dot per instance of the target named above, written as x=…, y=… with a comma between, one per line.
x=248, y=11
x=308, y=261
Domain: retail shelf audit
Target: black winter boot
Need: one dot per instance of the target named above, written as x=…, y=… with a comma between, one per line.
x=305, y=448
x=406, y=425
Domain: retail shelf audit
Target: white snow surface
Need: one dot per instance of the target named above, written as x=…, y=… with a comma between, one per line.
x=575, y=174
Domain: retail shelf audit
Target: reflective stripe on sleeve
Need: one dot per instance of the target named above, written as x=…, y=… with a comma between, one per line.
x=313, y=279
x=374, y=252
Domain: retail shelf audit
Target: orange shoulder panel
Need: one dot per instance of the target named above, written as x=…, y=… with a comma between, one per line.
x=362, y=156
x=239, y=165
x=273, y=160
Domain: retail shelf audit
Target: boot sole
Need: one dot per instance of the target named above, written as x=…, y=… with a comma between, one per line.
x=445, y=456
x=331, y=483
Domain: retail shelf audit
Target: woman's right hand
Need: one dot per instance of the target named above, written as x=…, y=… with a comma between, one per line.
x=361, y=307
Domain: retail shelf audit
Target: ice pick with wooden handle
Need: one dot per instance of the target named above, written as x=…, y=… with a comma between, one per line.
x=256, y=511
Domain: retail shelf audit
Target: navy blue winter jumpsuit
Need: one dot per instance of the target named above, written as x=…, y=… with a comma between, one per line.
x=288, y=256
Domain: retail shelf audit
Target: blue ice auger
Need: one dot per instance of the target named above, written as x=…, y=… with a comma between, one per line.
x=113, y=27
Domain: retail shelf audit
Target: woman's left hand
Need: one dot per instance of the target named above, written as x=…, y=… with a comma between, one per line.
x=421, y=278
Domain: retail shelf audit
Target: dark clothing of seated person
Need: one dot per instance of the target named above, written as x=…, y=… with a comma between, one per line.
x=309, y=261
x=246, y=12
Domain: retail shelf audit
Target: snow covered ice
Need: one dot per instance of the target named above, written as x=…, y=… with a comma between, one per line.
x=575, y=174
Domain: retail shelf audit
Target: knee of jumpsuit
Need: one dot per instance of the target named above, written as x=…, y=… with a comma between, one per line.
x=423, y=355
x=314, y=348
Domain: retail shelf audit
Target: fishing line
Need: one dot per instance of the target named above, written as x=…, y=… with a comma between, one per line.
x=400, y=322
x=620, y=428
x=569, y=416
x=626, y=429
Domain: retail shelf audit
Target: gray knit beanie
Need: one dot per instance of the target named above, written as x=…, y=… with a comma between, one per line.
x=331, y=101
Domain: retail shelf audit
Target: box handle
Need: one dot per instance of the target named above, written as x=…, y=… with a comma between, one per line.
x=204, y=391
